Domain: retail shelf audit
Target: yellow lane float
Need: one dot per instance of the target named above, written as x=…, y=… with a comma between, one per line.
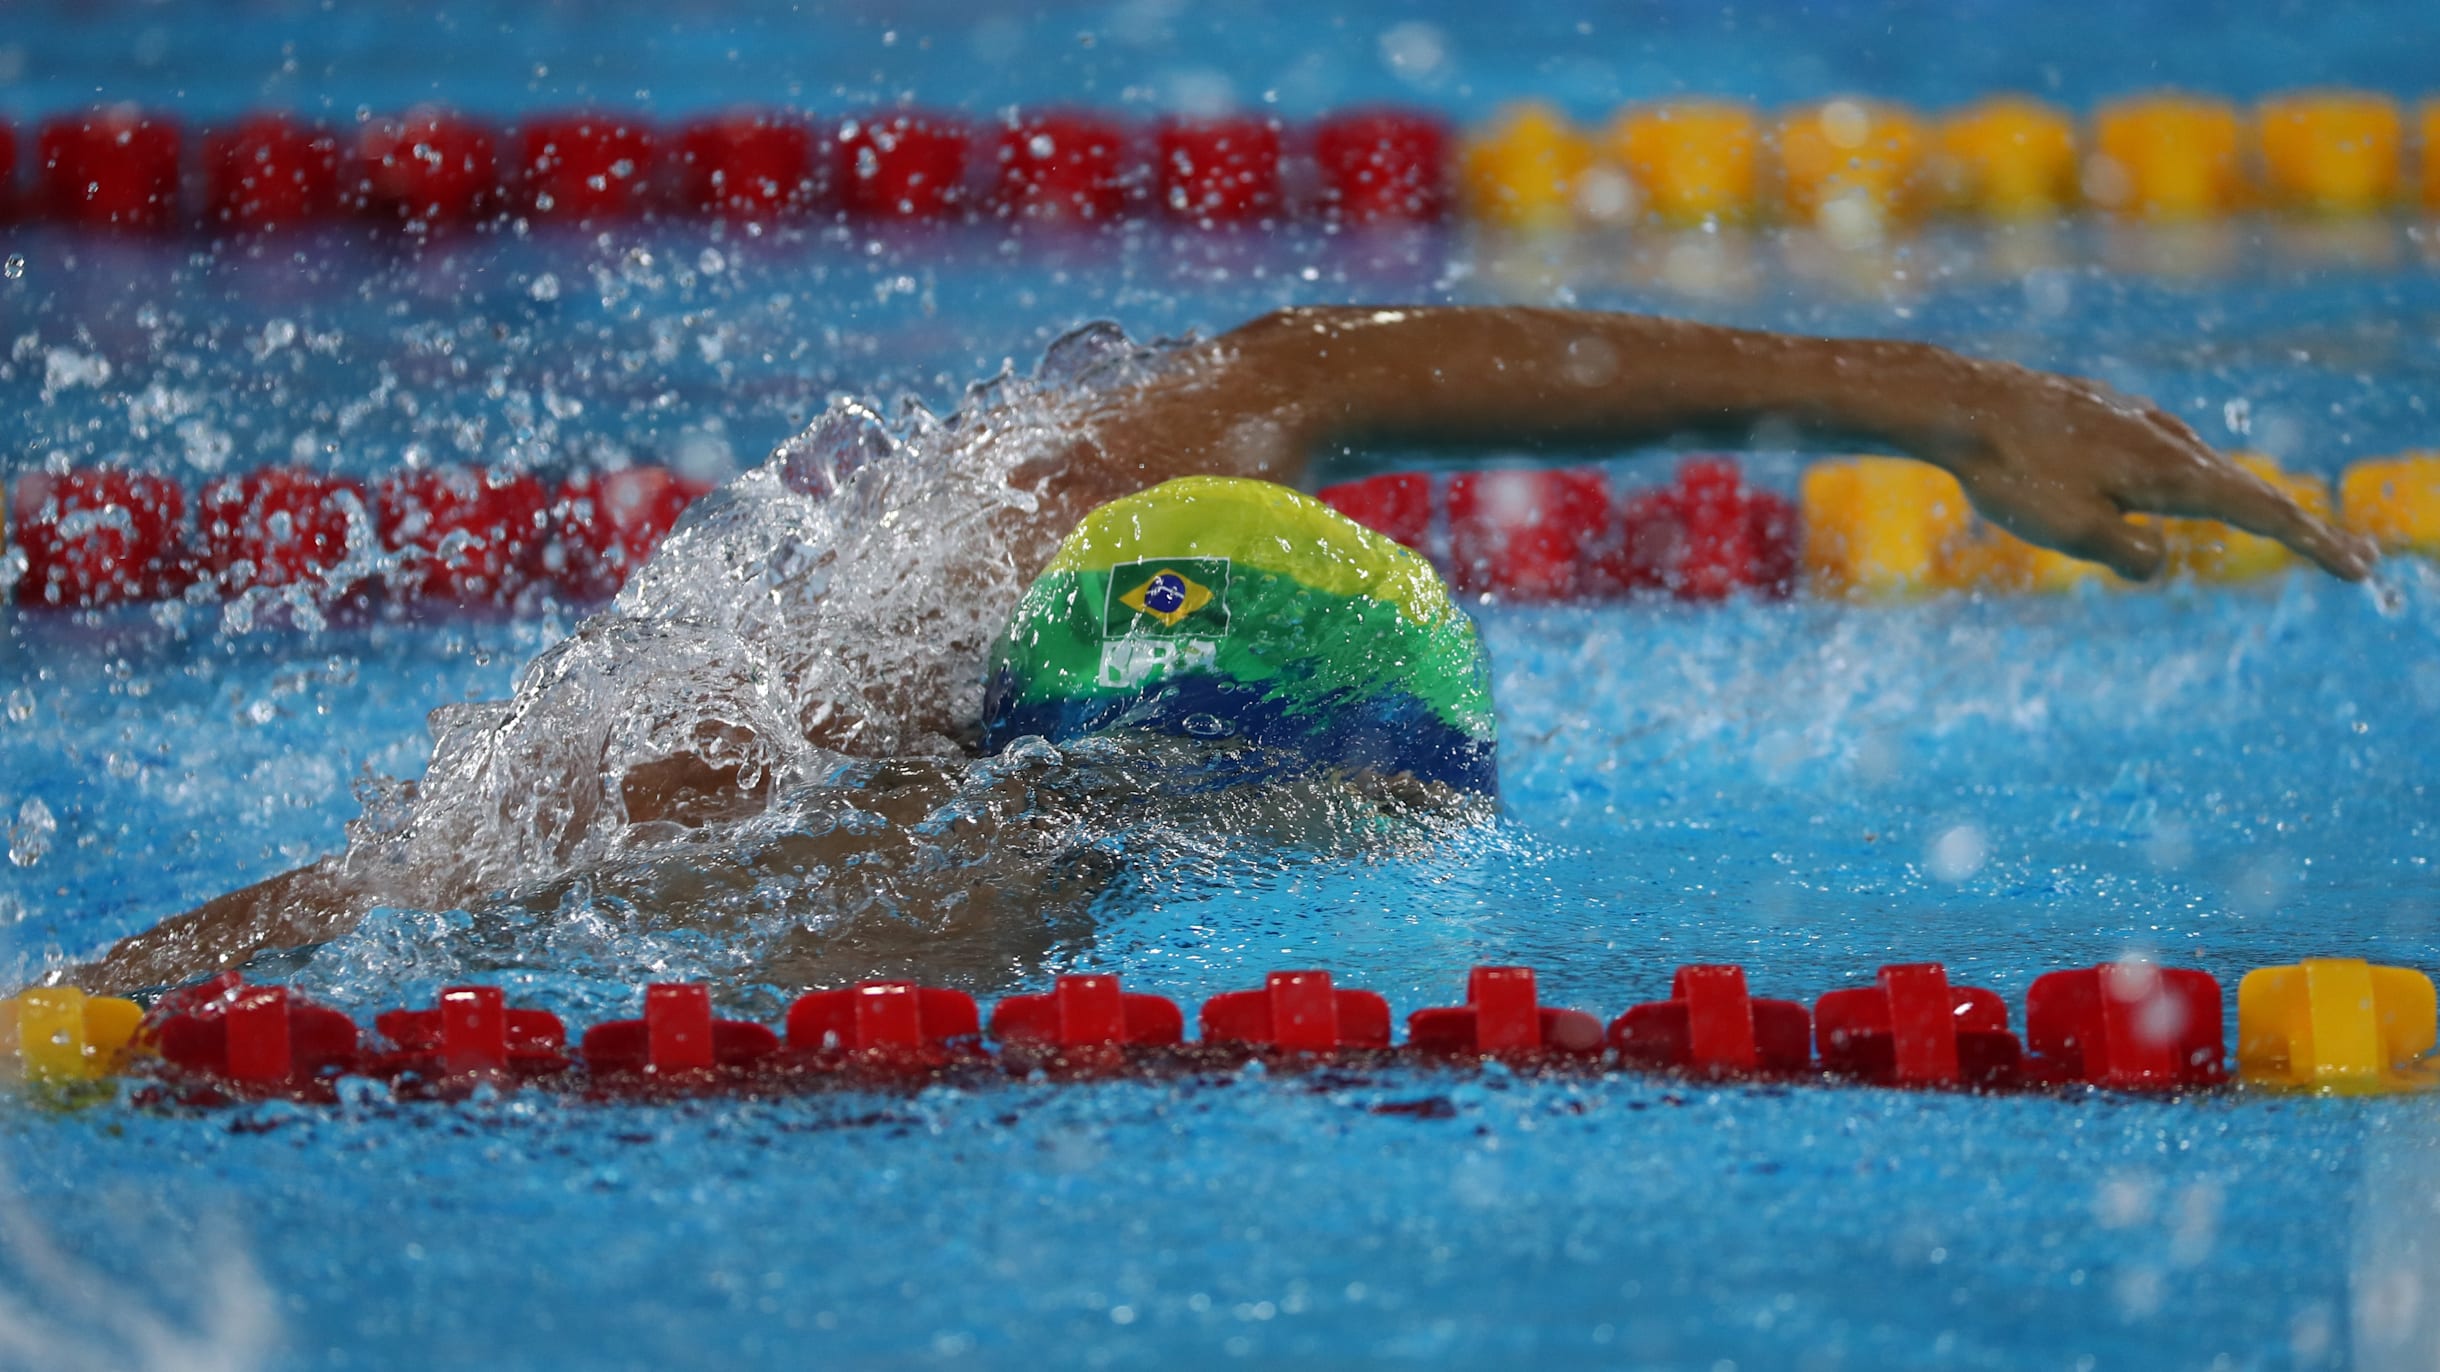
x=2395, y=501
x=2008, y=157
x=2338, y=1025
x=58, y=1034
x=1527, y=169
x=1877, y=527
x=2166, y=156
x=2427, y=130
x=1694, y=161
x=1850, y=167
x=1886, y=527
x=2331, y=152
x=2009, y=563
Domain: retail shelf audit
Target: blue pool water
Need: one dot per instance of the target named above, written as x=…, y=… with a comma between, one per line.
x=2216, y=777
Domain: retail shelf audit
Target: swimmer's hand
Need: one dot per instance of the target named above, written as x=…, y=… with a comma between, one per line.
x=2063, y=461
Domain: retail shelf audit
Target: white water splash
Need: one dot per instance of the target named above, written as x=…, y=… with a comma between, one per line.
x=835, y=603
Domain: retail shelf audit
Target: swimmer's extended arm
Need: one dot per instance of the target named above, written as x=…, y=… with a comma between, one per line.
x=2058, y=460
x=306, y=906
x=314, y=904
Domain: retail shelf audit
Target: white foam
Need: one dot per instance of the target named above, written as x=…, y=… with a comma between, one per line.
x=835, y=602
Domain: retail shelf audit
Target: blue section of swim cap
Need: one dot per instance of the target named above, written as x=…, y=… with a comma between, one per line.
x=1387, y=732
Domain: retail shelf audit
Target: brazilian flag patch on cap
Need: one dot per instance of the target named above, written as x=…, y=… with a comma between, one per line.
x=1177, y=597
x=1237, y=609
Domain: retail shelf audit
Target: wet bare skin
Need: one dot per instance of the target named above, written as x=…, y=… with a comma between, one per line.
x=2057, y=460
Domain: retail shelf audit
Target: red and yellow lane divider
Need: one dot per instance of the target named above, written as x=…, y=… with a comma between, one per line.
x=1868, y=528
x=2330, y=1025
x=1848, y=163
x=467, y=539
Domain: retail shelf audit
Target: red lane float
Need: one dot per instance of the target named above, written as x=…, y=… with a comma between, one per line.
x=678, y=1041
x=96, y=537
x=1218, y=171
x=1297, y=1012
x=1396, y=505
x=428, y=166
x=1711, y=1027
x=1706, y=536
x=1526, y=534
x=465, y=536
x=604, y=524
x=1063, y=166
x=1912, y=1028
x=1087, y=1023
x=9, y=196
x=253, y=1040
x=1504, y=1017
x=1383, y=166
x=114, y=168
x=890, y=1027
x=2127, y=1026
x=270, y=172
x=278, y=527
x=901, y=166
x=587, y=166
x=749, y=165
x=470, y=1037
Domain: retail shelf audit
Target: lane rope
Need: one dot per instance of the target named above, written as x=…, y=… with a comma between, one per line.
x=1849, y=165
x=470, y=540
x=2326, y=1025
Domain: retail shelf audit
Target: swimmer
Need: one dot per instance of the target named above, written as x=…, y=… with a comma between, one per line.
x=801, y=701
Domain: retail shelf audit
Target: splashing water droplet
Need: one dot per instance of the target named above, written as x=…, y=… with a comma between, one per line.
x=29, y=839
x=14, y=267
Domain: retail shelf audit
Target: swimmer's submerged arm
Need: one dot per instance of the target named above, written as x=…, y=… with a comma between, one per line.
x=315, y=905
x=291, y=910
x=2059, y=460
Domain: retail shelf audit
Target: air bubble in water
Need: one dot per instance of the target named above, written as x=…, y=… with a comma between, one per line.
x=14, y=268
x=30, y=837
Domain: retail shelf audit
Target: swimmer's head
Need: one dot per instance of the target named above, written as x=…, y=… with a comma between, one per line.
x=1244, y=613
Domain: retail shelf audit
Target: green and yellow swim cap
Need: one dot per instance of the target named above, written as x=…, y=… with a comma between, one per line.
x=1242, y=611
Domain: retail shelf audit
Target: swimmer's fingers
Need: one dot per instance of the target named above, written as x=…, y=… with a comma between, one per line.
x=2221, y=490
x=2177, y=473
x=2077, y=521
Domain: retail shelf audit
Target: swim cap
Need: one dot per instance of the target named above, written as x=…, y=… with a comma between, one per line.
x=1238, y=610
